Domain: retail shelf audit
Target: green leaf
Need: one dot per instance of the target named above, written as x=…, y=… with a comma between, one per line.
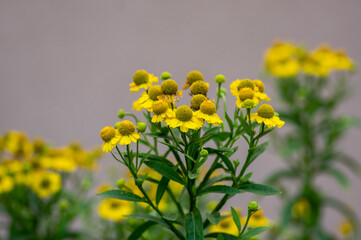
x=339, y=176
x=229, y=121
x=264, y=133
x=162, y=186
x=147, y=217
x=165, y=171
x=224, y=235
x=220, y=136
x=220, y=189
x=226, y=161
x=259, y=150
x=193, y=175
x=158, y=135
x=122, y=195
x=200, y=162
x=194, y=225
x=170, y=216
x=259, y=189
x=236, y=219
x=245, y=126
x=247, y=176
x=137, y=233
x=214, y=218
x=253, y=232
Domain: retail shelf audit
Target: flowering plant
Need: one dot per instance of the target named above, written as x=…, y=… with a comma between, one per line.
x=311, y=85
x=178, y=148
x=37, y=190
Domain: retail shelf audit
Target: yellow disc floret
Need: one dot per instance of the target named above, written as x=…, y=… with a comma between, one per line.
x=154, y=92
x=259, y=84
x=199, y=87
x=126, y=127
x=107, y=133
x=169, y=87
x=140, y=77
x=192, y=77
x=266, y=111
x=246, y=83
x=160, y=107
x=208, y=107
x=184, y=113
x=245, y=93
x=197, y=100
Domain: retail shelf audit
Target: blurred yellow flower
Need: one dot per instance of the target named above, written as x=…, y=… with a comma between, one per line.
x=114, y=209
x=226, y=225
x=256, y=220
x=45, y=183
x=346, y=229
x=6, y=182
x=18, y=144
x=301, y=209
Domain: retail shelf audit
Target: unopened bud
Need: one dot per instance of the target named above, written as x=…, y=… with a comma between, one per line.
x=236, y=163
x=220, y=79
x=141, y=127
x=121, y=113
x=204, y=153
x=165, y=75
x=252, y=206
x=120, y=183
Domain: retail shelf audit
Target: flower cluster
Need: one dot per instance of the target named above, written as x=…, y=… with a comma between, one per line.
x=285, y=59
x=38, y=166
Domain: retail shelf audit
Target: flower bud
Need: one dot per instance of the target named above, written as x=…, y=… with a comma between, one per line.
x=165, y=75
x=63, y=204
x=252, y=206
x=236, y=163
x=141, y=127
x=220, y=78
x=120, y=183
x=204, y=153
x=121, y=113
x=116, y=125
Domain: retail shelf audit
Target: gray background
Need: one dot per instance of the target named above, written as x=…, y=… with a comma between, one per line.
x=65, y=65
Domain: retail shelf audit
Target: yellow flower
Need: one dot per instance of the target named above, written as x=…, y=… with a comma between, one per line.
x=142, y=79
x=256, y=220
x=185, y=119
x=110, y=137
x=343, y=61
x=170, y=91
x=114, y=209
x=266, y=115
x=199, y=87
x=13, y=166
x=18, y=144
x=45, y=183
x=346, y=229
x=248, y=103
x=238, y=84
x=301, y=208
x=207, y=112
x=6, y=182
x=59, y=159
x=287, y=68
x=279, y=51
x=244, y=94
x=103, y=188
x=192, y=77
x=226, y=225
x=127, y=132
x=146, y=100
x=197, y=100
x=161, y=111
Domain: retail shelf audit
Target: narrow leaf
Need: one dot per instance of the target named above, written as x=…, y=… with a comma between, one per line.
x=214, y=218
x=137, y=233
x=162, y=186
x=236, y=219
x=224, y=235
x=253, y=232
x=165, y=171
x=259, y=150
x=259, y=189
x=220, y=189
x=121, y=194
x=194, y=225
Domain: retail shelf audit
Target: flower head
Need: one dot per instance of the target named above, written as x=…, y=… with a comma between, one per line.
x=197, y=100
x=192, y=77
x=185, y=119
x=6, y=182
x=127, y=133
x=142, y=79
x=170, y=91
x=161, y=111
x=226, y=225
x=265, y=114
x=246, y=94
x=259, y=86
x=207, y=111
x=147, y=99
x=114, y=209
x=110, y=137
x=238, y=84
x=45, y=183
x=199, y=87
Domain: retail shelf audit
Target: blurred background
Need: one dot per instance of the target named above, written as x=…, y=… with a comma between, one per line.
x=65, y=66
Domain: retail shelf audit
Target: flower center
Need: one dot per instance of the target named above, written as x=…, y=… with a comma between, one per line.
x=160, y=107
x=126, y=127
x=107, y=133
x=194, y=76
x=154, y=92
x=224, y=224
x=169, y=87
x=208, y=107
x=245, y=93
x=197, y=100
x=184, y=113
x=140, y=77
x=114, y=205
x=259, y=84
x=246, y=83
x=199, y=87
x=266, y=111
x=45, y=183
